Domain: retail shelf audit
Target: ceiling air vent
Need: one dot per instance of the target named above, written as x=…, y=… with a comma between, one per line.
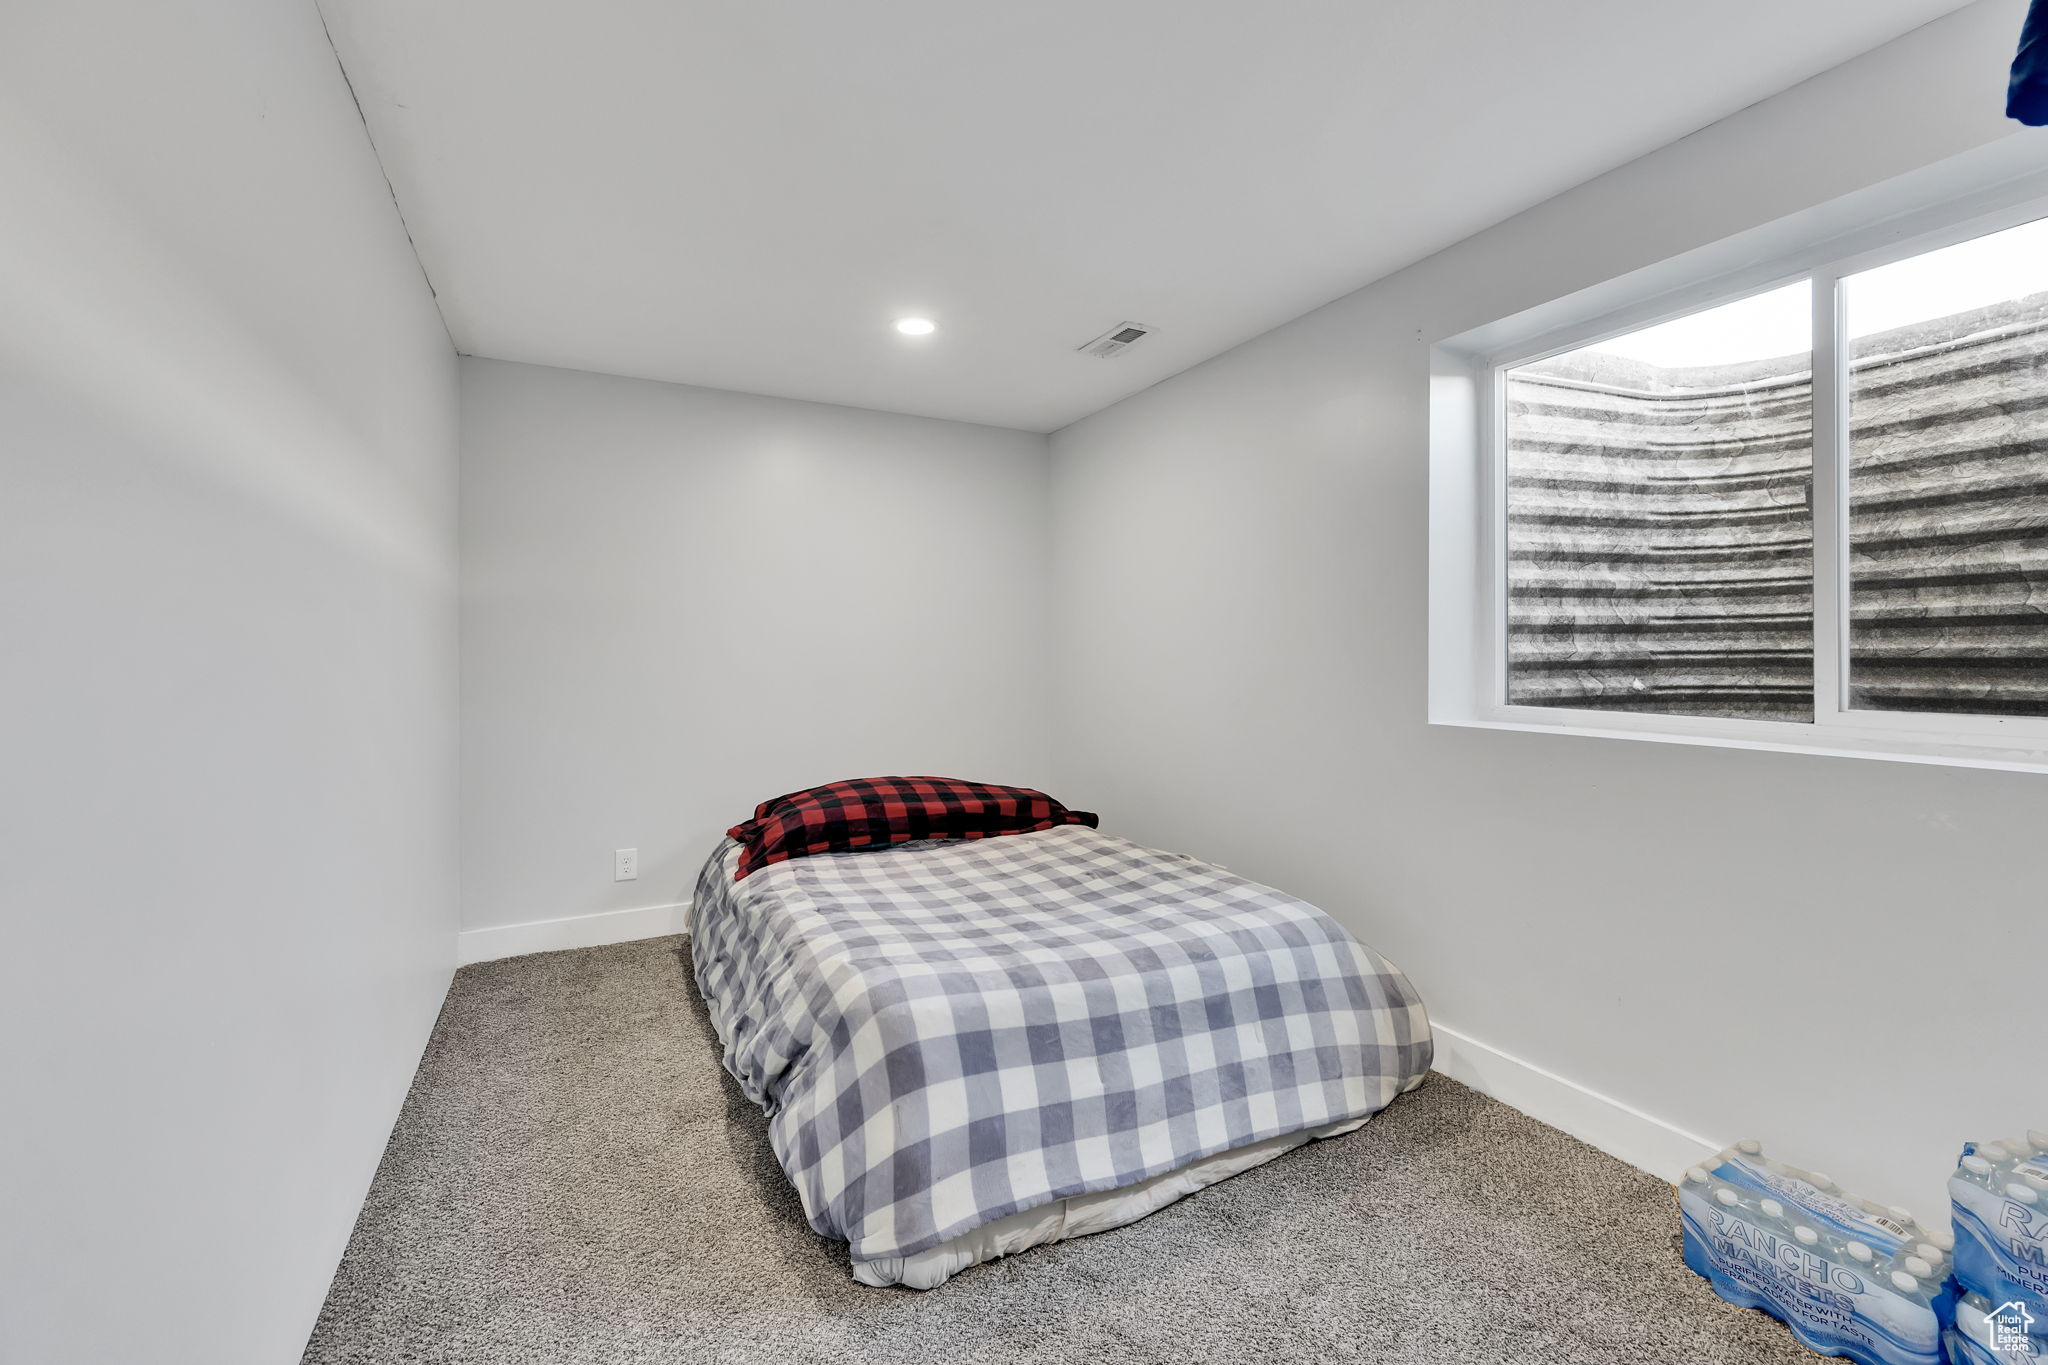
x=1117, y=340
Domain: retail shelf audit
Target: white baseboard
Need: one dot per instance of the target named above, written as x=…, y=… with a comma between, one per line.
x=1649, y=1144
x=577, y=931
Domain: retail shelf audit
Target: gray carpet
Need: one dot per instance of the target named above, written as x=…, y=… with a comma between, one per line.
x=574, y=1179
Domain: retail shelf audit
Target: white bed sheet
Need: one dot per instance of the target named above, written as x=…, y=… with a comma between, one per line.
x=1082, y=1214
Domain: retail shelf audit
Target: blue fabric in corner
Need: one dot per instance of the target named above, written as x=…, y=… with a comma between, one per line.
x=2027, y=100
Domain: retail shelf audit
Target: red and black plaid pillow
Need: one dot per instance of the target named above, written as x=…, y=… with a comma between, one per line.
x=868, y=812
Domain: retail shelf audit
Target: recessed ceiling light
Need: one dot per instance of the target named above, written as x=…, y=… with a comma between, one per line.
x=916, y=327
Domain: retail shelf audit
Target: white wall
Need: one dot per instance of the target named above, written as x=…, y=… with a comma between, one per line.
x=1241, y=558
x=678, y=602
x=226, y=703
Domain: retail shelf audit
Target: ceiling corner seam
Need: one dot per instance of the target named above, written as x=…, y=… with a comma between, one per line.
x=348, y=83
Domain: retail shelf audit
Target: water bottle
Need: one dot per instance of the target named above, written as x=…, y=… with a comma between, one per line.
x=1998, y=1197
x=1978, y=1170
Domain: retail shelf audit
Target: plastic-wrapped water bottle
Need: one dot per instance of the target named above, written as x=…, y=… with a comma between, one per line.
x=1849, y=1277
x=1999, y=1199
x=1977, y=1169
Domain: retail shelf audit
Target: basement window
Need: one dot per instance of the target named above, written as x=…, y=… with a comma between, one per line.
x=1659, y=535
x=1804, y=506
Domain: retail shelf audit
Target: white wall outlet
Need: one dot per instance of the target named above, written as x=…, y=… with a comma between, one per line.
x=625, y=864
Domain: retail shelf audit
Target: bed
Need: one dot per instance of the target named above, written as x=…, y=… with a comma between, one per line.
x=968, y=1048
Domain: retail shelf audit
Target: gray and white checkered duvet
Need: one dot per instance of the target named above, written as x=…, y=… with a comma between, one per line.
x=945, y=1033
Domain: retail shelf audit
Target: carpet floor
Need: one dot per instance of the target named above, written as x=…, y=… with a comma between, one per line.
x=574, y=1179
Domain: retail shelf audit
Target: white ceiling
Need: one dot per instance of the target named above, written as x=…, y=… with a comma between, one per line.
x=745, y=193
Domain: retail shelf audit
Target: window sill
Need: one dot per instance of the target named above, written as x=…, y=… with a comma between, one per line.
x=1987, y=749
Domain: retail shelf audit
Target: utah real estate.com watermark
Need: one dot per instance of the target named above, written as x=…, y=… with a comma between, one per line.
x=2011, y=1331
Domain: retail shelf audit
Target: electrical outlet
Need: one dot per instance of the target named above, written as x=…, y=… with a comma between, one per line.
x=625, y=864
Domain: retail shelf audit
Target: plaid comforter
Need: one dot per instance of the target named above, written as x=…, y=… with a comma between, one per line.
x=945, y=1033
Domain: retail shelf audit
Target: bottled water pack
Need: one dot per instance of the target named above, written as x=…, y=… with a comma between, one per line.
x=1999, y=1194
x=1849, y=1277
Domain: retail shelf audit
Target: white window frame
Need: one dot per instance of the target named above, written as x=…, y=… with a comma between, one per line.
x=1944, y=205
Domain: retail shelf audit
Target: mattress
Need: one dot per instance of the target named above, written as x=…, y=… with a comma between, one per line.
x=948, y=1035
